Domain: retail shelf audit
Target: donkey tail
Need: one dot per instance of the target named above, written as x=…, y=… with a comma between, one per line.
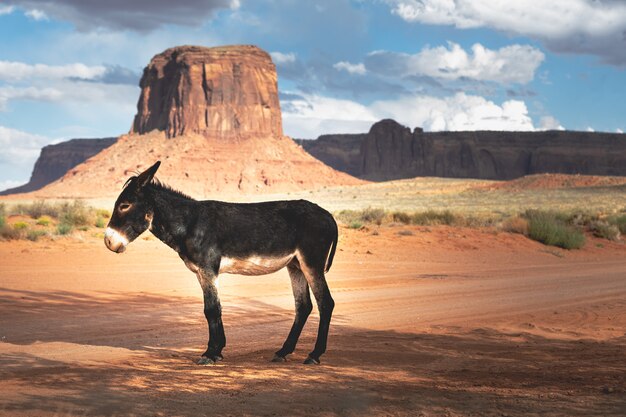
x=333, y=247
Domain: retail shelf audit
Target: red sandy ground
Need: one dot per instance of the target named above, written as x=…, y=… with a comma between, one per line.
x=446, y=321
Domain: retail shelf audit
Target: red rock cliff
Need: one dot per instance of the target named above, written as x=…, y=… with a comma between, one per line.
x=222, y=92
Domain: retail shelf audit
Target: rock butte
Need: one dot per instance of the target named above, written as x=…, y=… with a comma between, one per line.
x=212, y=116
x=392, y=151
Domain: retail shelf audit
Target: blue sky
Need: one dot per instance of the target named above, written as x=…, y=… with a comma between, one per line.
x=70, y=68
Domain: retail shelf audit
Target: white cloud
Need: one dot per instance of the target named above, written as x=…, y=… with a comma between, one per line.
x=590, y=129
x=27, y=93
x=578, y=26
x=6, y=184
x=19, y=152
x=313, y=115
x=510, y=64
x=618, y=130
x=17, y=71
x=282, y=58
x=36, y=14
x=457, y=112
x=351, y=68
x=6, y=10
x=550, y=123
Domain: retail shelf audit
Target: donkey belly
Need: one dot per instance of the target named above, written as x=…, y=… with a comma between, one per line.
x=254, y=265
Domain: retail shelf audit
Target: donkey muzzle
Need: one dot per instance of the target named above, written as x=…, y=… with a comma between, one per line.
x=115, y=241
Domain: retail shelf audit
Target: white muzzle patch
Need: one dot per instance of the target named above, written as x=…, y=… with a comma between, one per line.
x=115, y=241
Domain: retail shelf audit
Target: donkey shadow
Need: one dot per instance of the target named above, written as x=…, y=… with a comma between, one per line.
x=367, y=372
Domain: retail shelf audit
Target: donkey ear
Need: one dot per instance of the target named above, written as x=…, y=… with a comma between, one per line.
x=145, y=177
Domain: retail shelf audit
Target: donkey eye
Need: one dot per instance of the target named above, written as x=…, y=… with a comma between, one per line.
x=124, y=207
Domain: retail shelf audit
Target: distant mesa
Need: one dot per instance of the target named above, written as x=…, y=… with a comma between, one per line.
x=212, y=116
x=223, y=92
x=391, y=151
x=55, y=160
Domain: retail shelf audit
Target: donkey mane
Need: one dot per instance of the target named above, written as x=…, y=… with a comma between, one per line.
x=157, y=184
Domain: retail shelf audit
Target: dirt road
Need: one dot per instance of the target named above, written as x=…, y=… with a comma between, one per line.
x=442, y=321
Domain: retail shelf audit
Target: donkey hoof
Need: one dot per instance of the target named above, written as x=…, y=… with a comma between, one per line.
x=311, y=361
x=206, y=361
x=278, y=358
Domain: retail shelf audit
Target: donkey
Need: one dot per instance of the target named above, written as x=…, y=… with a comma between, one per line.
x=214, y=237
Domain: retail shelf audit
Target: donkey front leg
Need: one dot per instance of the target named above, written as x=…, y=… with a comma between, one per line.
x=213, y=314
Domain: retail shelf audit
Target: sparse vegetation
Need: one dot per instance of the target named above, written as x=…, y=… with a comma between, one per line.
x=619, y=222
x=551, y=229
x=20, y=225
x=49, y=219
x=63, y=229
x=602, y=229
x=433, y=217
x=516, y=224
x=34, y=235
x=563, y=229
x=44, y=220
x=405, y=233
x=356, y=225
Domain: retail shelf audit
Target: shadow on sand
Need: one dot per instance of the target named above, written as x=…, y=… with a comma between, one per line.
x=365, y=372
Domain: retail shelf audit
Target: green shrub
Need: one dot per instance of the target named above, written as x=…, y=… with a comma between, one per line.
x=603, y=229
x=3, y=219
x=401, y=217
x=432, y=217
x=551, y=229
x=9, y=233
x=619, y=221
x=64, y=228
x=36, y=209
x=44, y=220
x=372, y=215
x=105, y=214
x=100, y=222
x=34, y=235
x=356, y=225
x=75, y=214
x=20, y=225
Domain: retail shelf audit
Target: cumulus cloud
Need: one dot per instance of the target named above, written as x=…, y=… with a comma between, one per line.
x=350, y=68
x=457, y=112
x=570, y=26
x=19, y=152
x=280, y=58
x=140, y=15
x=550, y=123
x=308, y=116
x=6, y=9
x=618, y=130
x=17, y=71
x=36, y=14
x=27, y=93
x=510, y=64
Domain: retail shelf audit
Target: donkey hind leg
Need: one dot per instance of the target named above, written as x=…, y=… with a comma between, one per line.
x=304, y=306
x=325, y=304
x=213, y=314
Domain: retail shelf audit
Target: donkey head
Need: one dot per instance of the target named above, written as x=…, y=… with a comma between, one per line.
x=132, y=213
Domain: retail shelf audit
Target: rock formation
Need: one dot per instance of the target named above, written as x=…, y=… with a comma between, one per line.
x=212, y=116
x=221, y=92
x=55, y=160
x=392, y=151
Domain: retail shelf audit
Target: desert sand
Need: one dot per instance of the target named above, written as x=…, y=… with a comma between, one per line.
x=445, y=321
